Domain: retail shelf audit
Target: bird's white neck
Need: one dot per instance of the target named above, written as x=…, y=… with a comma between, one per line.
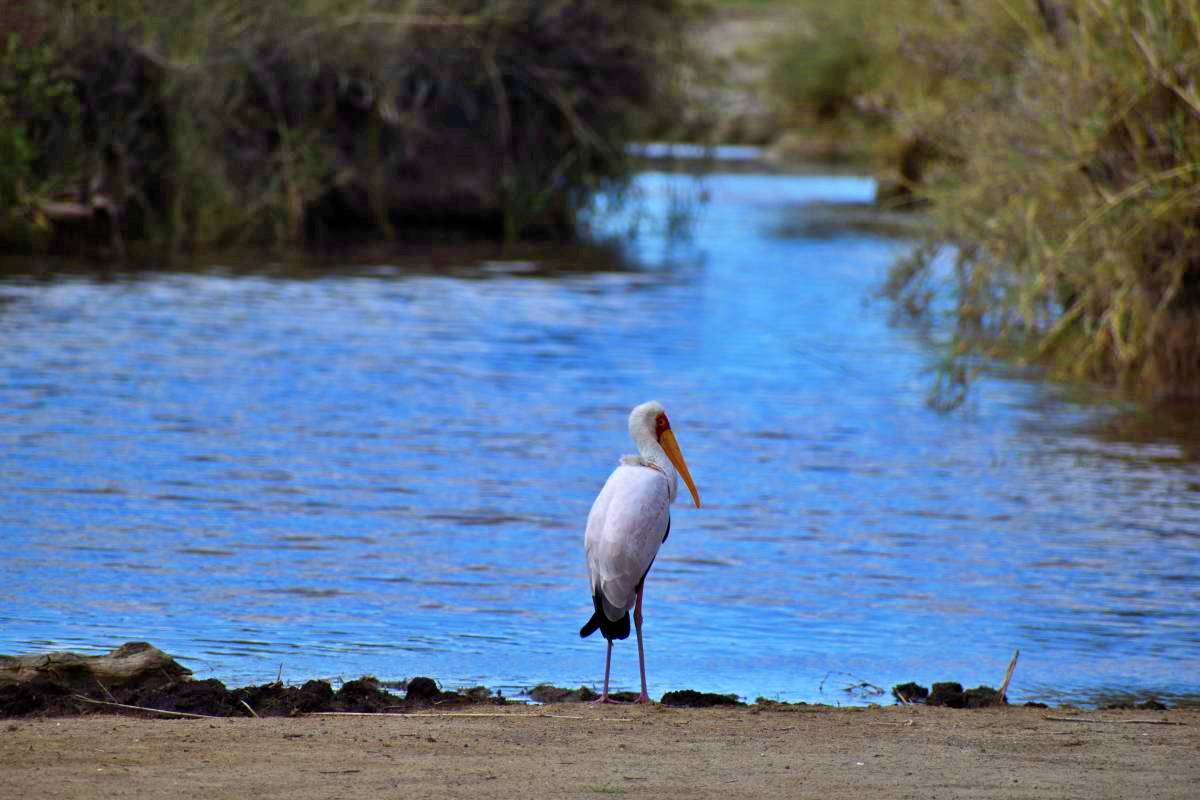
x=650, y=454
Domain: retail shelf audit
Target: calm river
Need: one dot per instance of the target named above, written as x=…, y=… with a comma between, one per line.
x=382, y=465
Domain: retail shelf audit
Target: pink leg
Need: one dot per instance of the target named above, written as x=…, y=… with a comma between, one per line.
x=604, y=698
x=637, y=622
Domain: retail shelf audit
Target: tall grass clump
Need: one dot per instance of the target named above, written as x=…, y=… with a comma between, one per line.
x=1066, y=180
x=288, y=121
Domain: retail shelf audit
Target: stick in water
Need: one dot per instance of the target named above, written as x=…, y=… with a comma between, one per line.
x=1012, y=666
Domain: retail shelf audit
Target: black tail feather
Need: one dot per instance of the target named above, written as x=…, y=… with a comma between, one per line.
x=609, y=629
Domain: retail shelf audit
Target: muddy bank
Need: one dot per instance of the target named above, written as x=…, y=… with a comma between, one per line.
x=139, y=678
x=211, y=698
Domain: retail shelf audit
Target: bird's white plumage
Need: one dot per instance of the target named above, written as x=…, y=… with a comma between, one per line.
x=627, y=525
x=625, y=528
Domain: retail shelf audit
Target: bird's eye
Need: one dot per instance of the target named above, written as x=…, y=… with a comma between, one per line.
x=661, y=423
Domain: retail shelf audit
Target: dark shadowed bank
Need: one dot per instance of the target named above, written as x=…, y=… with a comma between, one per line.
x=186, y=124
x=141, y=679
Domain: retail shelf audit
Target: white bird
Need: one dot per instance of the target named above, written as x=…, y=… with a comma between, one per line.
x=629, y=521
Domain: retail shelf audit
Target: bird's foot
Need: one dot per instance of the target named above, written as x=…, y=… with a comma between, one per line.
x=643, y=699
x=605, y=700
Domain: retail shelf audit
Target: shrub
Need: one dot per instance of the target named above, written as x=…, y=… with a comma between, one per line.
x=825, y=62
x=286, y=121
x=37, y=116
x=1069, y=142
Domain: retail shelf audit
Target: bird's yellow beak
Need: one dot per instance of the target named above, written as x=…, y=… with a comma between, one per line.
x=671, y=447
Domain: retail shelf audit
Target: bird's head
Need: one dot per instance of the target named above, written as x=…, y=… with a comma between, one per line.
x=648, y=423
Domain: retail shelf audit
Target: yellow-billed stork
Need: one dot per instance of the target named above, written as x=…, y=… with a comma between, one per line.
x=629, y=521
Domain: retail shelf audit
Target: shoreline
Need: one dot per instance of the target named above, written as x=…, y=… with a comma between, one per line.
x=210, y=698
x=140, y=678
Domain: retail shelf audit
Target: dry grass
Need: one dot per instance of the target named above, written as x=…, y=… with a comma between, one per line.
x=1069, y=142
x=1057, y=144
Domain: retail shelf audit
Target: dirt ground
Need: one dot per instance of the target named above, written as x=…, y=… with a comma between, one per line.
x=583, y=751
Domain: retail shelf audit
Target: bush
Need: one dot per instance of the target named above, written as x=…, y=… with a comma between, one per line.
x=224, y=122
x=825, y=62
x=37, y=112
x=822, y=73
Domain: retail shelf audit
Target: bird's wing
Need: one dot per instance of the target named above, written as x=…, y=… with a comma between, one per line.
x=624, y=531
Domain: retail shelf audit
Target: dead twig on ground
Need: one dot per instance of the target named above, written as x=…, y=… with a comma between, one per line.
x=443, y=714
x=105, y=690
x=1116, y=721
x=143, y=708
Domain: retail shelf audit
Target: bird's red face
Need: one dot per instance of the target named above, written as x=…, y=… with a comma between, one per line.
x=666, y=439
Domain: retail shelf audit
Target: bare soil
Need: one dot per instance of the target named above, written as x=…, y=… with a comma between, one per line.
x=584, y=751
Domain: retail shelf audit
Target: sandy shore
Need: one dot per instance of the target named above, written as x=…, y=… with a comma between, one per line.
x=587, y=751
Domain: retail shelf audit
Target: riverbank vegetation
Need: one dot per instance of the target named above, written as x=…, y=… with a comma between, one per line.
x=188, y=125
x=1056, y=144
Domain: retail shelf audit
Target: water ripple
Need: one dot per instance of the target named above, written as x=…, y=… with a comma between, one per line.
x=385, y=469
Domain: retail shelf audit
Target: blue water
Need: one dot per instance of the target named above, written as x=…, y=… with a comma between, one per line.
x=382, y=465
